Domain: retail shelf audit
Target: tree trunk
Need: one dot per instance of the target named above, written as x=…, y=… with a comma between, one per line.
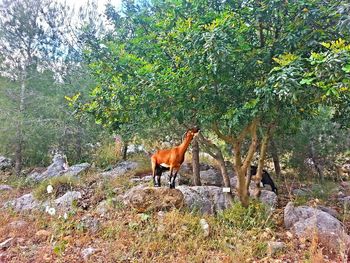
x=125, y=150
x=195, y=162
x=19, y=131
x=315, y=161
x=275, y=158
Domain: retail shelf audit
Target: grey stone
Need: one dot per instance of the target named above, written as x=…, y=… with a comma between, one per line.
x=6, y=244
x=87, y=252
x=329, y=210
x=306, y=222
x=65, y=202
x=120, y=169
x=205, y=199
x=5, y=163
x=301, y=192
x=275, y=246
x=91, y=223
x=211, y=177
x=24, y=203
x=77, y=169
x=5, y=187
x=58, y=167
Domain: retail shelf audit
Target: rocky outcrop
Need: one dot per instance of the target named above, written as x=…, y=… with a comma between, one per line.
x=77, y=169
x=65, y=202
x=5, y=163
x=58, y=167
x=307, y=222
x=26, y=202
x=145, y=199
x=120, y=169
x=204, y=199
x=211, y=177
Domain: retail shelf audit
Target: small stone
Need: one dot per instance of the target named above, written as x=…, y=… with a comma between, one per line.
x=5, y=187
x=6, y=244
x=87, y=252
x=274, y=246
x=205, y=227
x=289, y=235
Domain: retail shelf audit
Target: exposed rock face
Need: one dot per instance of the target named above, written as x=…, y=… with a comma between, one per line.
x=269, y=198
x=144, y=199
x=64, y=203
x=24, y=203
x=121, y=169
x=5, y=163
x=211, y=177
x=205, y=199
x=58, y=167
x=77, y=169
x=306, y=222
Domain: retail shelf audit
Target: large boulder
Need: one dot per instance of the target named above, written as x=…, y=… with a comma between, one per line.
x=308, y=222
x=26, y=202
x=121, y=168
x=65, y=202
x=77, y=169
x=144, y=199
x=5, y=163
x=205, y=199
x=58, y=167
x=211, y=177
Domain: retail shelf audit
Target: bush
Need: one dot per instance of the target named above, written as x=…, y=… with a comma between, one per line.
x=255, y=216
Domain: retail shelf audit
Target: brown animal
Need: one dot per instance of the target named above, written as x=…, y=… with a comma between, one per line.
x=171, y=159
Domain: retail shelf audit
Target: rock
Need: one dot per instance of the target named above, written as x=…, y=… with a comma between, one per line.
x=205, y=226
x=90, y=223
x=5, y=163
x=204, y=199
x=65, y=202
x=6, y=244
x=121, y=169
x=144, y=199
x=23, y=203
x=300, y=192
x=5, y=187
x=211, y=177
x=102, y=208
x=58, y=167
x=133, y=148
x=274, y=246
x=77, y=169
x=328, y=210
x=306, y=222
x=345, y=200
x=269, y=198
x=87, y=252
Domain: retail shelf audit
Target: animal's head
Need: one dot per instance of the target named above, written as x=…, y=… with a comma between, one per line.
x=192, y=132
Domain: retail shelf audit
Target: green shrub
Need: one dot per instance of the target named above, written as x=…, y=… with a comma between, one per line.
x=255, y=216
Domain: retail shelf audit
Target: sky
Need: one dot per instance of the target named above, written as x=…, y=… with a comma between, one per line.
x=101, y=3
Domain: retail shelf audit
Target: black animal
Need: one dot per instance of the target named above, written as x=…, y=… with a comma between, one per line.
x=266, y=178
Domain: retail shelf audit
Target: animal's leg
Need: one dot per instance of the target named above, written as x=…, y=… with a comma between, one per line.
x=154, y=171
x=172, y=184
x=170, y=177
x=159, y=174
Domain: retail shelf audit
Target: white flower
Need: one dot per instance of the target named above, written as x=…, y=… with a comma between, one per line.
x=65, y=216
x=52, y=211
x=49, y=189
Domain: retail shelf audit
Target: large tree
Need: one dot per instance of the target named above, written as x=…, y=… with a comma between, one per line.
x=208, y=63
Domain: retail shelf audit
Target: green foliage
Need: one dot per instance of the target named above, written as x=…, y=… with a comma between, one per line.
x=256, y=215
